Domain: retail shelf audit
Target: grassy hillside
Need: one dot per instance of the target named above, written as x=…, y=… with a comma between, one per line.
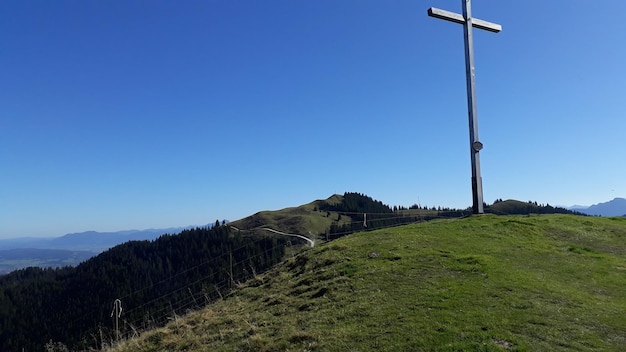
x=329, y=218
x=488, y=283
x=304, y=220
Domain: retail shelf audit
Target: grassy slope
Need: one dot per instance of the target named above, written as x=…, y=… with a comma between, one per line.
x=539, y=283
x=306, y=219
x=302, y=220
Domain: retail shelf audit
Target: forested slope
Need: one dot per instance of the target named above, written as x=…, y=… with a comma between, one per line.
x=153, y=280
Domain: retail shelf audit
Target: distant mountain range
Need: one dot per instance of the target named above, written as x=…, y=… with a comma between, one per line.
x=70, y=249
x=615, y=207
x=87, y=241
x=14, y=259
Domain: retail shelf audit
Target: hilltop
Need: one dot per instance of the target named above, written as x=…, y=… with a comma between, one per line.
x=541, y=282
x=511, y=207
x=304, y=219
x=326, y=219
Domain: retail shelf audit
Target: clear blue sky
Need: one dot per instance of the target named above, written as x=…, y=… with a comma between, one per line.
x=145, y=114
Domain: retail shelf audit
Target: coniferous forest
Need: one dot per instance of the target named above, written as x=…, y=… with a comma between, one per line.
x=153, y=280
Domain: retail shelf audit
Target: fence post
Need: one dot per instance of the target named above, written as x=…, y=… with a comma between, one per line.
x=117, y=313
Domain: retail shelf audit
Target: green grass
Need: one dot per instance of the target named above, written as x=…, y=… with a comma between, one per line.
x=485, y=283
x=308, y=220
x=303, y=220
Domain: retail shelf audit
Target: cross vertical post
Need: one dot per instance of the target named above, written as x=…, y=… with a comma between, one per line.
x=468, y=23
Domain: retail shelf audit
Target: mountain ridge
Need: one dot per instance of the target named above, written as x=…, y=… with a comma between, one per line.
x=85, y=240
x=614, y=207
x=70, y=249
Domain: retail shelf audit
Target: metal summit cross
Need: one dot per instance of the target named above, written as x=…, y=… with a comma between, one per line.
x=475, y=146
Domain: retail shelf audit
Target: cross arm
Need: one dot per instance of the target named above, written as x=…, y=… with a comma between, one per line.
x=456, y=18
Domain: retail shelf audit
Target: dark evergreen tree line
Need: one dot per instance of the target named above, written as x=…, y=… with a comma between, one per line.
x=513, y=207
x=355, y=206
x=357, y=203
x=366, y=213
x=74, y=305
